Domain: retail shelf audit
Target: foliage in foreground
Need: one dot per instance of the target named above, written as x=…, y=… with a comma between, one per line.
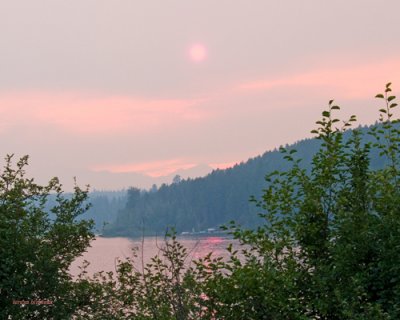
x=329, y=247
x=36, y=249
x=331, y=242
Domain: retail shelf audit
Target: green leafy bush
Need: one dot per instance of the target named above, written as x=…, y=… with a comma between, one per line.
x=330, y=245
x=36, y=248
x=165, y=288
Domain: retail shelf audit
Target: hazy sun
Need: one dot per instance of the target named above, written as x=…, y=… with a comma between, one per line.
x=198, y=52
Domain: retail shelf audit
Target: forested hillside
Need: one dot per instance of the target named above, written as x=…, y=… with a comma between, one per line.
x=202, y=203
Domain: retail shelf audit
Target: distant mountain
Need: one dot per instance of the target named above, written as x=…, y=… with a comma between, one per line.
x=105, y=180
x=200, y=170
x=207, y=202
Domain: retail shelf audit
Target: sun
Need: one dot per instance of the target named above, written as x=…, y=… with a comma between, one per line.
x=197, y=52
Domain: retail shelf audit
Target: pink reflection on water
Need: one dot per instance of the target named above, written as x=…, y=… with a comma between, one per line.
x=213, y=240
x=214, y=244
x=104, y=252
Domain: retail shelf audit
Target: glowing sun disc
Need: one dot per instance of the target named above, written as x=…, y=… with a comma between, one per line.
x=197, y=52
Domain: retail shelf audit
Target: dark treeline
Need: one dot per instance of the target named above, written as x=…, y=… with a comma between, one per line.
x=105, y=206
x=202, y=203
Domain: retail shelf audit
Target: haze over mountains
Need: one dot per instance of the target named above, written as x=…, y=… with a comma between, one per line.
x=196, y=204
x=106, y=180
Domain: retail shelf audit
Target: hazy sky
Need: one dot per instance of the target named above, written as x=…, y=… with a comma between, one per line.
x=99, y=89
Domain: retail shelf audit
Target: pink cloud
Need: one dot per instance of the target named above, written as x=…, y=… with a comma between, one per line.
x=355, y=81
x=80, y=114
x=152, y=168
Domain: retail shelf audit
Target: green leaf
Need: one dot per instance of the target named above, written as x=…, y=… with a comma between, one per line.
x=391, y=98
x=335, y=107
x=326, y=114
x=380, y=95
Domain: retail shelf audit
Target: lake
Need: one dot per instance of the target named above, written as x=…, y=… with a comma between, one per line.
x=104, y=252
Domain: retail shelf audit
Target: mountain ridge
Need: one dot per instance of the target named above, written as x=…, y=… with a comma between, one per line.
x=196, y=204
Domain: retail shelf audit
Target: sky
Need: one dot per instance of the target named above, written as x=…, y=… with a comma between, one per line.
x=121, y=93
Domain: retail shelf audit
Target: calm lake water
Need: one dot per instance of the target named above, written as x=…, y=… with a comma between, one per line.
x=104, y=252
